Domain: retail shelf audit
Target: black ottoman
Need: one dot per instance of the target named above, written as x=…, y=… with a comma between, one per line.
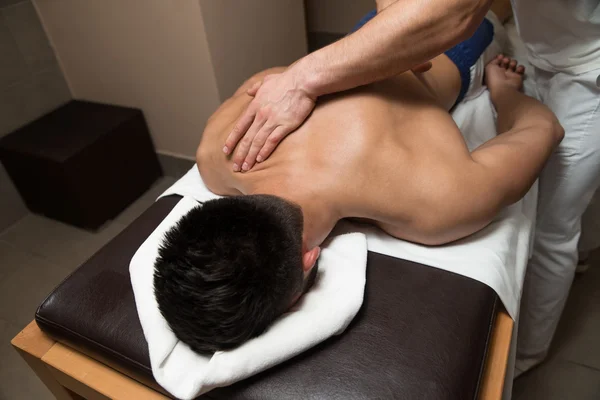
x=82, y=163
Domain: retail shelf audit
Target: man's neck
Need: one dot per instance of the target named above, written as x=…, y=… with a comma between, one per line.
x=319, y=219
x=320, y=214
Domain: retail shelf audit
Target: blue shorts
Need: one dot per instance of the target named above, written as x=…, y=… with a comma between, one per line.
x=464, y=55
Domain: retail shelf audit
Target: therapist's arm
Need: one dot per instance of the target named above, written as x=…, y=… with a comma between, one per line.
x=404, y=34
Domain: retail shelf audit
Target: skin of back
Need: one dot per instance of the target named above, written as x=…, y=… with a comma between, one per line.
x=388, y=153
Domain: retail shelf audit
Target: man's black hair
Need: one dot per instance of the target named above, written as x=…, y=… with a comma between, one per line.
x=228, y=269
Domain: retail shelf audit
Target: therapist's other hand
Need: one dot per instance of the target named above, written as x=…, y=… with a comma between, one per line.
x=278, y=108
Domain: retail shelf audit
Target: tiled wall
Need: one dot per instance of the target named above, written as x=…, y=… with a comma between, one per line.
x=31, y=84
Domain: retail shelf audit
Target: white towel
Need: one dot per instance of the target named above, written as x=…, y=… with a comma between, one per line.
x=325, y=310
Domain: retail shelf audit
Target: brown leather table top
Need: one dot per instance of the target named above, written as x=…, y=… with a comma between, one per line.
x=422, y=333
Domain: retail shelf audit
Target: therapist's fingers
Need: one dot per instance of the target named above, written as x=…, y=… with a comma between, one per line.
x=244, y=146
x=240, y=128
x=271, y=143
x=257, y=144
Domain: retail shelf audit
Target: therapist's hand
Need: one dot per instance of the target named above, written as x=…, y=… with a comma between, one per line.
x=280, y=105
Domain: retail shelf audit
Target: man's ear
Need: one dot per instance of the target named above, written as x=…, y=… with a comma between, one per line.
x=310, y=258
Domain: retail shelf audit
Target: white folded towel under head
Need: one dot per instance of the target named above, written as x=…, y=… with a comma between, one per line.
x=324, y=311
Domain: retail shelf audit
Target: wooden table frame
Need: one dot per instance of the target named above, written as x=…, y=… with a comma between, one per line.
x=71, y=375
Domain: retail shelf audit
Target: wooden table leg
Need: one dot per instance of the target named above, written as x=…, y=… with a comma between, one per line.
x=71, y=375
x=497, y=358
x=32, y=344
x=92, y=379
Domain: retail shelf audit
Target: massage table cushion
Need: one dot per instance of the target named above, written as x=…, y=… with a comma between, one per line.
x=421, y=332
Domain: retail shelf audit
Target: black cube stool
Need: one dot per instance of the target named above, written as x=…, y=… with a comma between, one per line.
x=82, y=163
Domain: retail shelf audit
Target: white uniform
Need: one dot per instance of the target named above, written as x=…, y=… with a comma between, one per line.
x=563, y=43
x=560, y=35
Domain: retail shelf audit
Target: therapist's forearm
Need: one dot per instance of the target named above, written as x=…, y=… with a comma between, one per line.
x=405, y=34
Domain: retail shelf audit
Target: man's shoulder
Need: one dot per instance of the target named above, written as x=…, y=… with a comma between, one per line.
x=211, y=170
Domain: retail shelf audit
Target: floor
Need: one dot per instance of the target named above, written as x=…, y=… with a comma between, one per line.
x=36, y=253
x=572, y=370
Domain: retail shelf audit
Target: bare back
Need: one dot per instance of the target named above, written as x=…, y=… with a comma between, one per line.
x=387, y=151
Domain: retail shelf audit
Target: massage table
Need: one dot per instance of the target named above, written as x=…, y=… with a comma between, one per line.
x=422, y=333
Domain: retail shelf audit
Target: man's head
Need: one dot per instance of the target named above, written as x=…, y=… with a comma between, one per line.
x=229, y=268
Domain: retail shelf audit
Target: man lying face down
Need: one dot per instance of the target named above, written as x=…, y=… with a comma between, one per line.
x=388, y=154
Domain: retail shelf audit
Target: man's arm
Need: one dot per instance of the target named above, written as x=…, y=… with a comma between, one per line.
x=504, y=168
x=404, y=34
x=528, y=133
